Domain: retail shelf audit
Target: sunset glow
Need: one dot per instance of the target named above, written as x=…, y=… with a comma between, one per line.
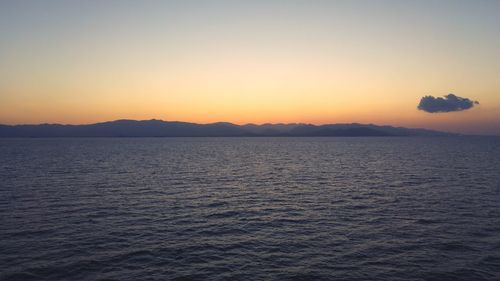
x=250, y=61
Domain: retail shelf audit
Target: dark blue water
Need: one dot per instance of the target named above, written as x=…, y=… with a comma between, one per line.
x=250, y=209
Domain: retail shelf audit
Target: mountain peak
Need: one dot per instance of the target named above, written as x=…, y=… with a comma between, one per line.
x=160, y=128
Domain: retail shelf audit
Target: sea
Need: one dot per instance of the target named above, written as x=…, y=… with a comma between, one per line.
x=332, y=208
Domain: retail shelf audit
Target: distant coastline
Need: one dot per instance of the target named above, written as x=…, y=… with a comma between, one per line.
x=160, y=128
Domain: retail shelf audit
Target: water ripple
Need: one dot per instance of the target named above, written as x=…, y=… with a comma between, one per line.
x=250, y=209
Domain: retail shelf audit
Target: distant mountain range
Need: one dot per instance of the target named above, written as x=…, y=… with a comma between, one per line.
x=159, y=128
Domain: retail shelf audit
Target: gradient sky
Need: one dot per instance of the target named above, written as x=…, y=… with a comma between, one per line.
x=250, y=61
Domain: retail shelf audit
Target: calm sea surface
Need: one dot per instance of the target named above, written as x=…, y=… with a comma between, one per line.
x=250, y=209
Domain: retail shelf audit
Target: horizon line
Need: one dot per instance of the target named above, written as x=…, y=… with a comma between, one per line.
x=216, y=122
x=249, y=124
x=258, y=124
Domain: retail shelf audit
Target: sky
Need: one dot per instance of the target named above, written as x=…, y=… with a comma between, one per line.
x=309, y=61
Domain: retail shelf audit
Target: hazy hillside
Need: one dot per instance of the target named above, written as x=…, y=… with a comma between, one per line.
x=158, y=128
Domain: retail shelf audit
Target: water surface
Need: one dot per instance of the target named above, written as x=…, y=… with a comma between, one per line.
x=250, y=209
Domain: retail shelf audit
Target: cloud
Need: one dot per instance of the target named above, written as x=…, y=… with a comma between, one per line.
x=449, y=103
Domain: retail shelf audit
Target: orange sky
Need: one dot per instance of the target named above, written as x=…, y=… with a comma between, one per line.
x=257, y=62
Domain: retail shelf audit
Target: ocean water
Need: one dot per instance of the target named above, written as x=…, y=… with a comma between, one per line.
x=250, y=209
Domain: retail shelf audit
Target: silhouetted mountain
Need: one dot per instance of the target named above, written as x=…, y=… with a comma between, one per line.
x=159, y=128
